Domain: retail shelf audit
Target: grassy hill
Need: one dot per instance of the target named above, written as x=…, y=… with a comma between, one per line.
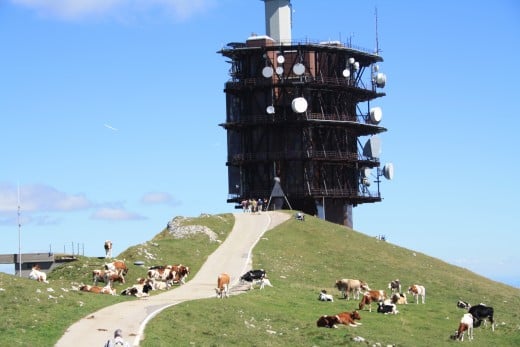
x=301, y=258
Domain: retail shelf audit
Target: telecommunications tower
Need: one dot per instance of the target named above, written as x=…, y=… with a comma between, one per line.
x=304, y=115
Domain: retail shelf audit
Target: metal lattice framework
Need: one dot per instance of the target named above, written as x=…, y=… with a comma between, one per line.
x=315, y=150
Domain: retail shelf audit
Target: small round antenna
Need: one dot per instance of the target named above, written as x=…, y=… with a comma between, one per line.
x=267, y=72
x=270, y=109
x=299, y=69
x=299, y=105
x=388, y=171
x=376, y=114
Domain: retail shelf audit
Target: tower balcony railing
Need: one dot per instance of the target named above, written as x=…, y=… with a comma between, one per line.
x=337, y=156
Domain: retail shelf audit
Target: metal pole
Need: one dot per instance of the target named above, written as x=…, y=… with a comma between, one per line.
x=19, y=236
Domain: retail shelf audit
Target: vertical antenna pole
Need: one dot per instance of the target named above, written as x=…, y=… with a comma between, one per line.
x=19, y=236
x=377, y=36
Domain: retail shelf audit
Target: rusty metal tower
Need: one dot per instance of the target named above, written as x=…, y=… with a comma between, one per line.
x=297, y=113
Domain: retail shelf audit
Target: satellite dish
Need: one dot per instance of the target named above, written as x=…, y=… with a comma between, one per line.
x=351, y=61
x=388, y=171
x=356, y=66
x=299, y=105
x=280, y=59
x=298, y=69
x=372, y=147
x=270, y=109
x=267, y=72
x=346, y=73
x=380, y=79
x=279, y=70
x=376, y=114
x=366, y=171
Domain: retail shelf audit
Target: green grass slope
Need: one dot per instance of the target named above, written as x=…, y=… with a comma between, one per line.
x=37, y=314
x=302, y=258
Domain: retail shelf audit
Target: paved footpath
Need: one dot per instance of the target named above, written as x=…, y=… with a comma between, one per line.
x=233, y=257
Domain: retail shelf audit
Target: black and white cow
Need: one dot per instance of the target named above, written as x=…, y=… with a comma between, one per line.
x=482, y=313
x=387, y=308
x=253, y=275
x=395, y=286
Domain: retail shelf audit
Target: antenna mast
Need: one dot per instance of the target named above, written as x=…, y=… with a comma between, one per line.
x=19, y=237
x=377, y=35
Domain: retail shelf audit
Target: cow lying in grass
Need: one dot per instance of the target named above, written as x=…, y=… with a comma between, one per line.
x=323, y=296
x=345, y=318
x=37, y=274
x=97, y=289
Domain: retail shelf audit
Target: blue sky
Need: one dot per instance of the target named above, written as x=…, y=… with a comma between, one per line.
x=110, y=111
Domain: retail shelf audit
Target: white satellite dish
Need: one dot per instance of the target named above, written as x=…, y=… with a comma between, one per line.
x=299, y=105
x=351, y=61
x=372, y=148
x=280, y=59
x=346, y=73
x=356, y=66
x=298, y=69
x=279, y=70
x=388, y=171
x=267, y=72
x=380, y=79
x=376, y=114
x=270, y=109
x=366, y=171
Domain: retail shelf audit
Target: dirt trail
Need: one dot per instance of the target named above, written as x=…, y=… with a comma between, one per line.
x=233, y=257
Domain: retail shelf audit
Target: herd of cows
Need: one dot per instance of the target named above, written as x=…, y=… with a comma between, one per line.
x=163, y=277
x=354, y=288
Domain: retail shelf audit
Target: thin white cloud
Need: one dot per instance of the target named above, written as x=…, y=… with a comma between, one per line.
x=79, y=9
x=115, y=214
x=39, y=198
x=157, y=198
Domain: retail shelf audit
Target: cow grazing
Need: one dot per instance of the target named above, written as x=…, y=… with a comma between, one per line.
x=179, y=274
x=399, y=298
x=37, y=274
x=106, y=276
x=118, y=266
x=108, y=249
x=371, y=296
x=262, y=283
x=482, y=313
x=253, y=275
x=161, y=272
x=323, y=296
x=387, y=308
x=222, y=285
x=345, y=318
x=395, y=286
x=352, y=287
x=466, y=324
x=417, y=291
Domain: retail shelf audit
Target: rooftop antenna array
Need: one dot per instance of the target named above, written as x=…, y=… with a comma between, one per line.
x=19, y=236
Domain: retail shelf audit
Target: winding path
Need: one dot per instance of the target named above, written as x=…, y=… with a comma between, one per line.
x=233, y=257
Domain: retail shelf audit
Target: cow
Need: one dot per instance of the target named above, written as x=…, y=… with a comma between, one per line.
x=349, y=286
x=345, y=318
x=106, y=276
x=399, y=298
x=222, y=285
x=262, y=283
x=179, y=274
x=119, y=266
x=252, y=275
x=463, y=304
x=37, y=274
x=371, y=296
x=482, y=313
x=158, y=285
x=323, y=296
x=138, y=290
x=387, y=308
x=108, y=249
x=417, y=291
x=466, y=324
x=97, y=289
x=161, y=272
x=395, y=286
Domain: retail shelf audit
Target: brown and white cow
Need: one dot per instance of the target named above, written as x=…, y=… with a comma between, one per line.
x=348, y=286
x=417, y=291
x=466, y=324
x=399, y=298
x=372, y=296
x=118, y=266
x=179, y=274
x=161, y=272
x=37, y=274
x=222, y=285
x=97, y=289
x=345, y=318
x=108, y=249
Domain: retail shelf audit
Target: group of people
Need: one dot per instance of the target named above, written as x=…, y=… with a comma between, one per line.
x=254, y=206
